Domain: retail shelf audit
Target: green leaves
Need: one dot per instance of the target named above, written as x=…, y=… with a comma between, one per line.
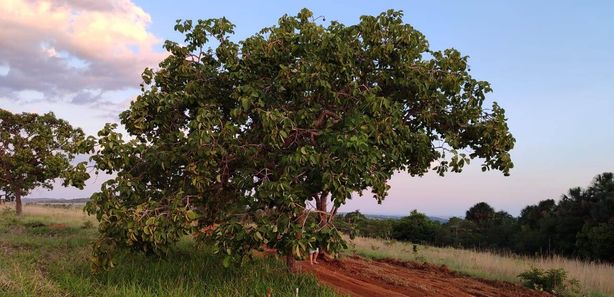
x=191, y=215
x=243, y=136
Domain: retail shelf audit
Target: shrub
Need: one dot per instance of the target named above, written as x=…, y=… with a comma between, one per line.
x=552, y=280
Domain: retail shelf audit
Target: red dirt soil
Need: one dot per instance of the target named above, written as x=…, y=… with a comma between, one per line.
x=357, y=276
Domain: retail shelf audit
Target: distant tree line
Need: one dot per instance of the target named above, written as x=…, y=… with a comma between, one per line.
x=580, y=224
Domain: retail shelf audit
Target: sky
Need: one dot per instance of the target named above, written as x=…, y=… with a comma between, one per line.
x=550, y=63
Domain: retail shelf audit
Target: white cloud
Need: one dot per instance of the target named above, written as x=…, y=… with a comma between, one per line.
x=59, y=48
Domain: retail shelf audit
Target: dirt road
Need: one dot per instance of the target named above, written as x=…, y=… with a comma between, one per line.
x=388, y=278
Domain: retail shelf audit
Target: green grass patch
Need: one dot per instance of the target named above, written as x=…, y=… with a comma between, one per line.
x=46, y=257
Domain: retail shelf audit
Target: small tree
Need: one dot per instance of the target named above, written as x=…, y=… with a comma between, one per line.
x=37, y=149
x=258, y=137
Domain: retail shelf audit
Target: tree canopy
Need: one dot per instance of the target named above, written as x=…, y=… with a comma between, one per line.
x=416, y=227
x=37, y=149
x=256, y=137
x=480, y=213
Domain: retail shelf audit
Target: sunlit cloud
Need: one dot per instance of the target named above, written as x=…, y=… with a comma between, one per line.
x=60, y=48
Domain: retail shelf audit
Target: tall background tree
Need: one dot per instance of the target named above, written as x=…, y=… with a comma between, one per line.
x=418, y=228
x=267, y=137
x=37, y=149
x=481, y=213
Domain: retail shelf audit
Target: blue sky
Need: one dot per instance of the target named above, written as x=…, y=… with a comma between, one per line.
x=550, y=64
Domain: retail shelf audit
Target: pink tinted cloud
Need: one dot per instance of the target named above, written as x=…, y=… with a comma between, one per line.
x=62, y=47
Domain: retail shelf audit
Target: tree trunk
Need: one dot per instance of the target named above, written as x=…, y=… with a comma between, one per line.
x=325, y=218
x=18, y=207
x=291, y=263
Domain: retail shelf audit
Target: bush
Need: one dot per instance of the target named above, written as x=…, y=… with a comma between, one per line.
x=552, y=280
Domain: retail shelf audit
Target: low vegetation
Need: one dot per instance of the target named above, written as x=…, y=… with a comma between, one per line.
x=552, y=280
x=45, y=252
x=594, y=279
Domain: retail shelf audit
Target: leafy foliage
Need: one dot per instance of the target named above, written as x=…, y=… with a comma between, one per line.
x=480, y=213
x=416, y=227
x=356, y=224
x=583, y=219
x=247, y=136
x=37, y=149
x=552, y=280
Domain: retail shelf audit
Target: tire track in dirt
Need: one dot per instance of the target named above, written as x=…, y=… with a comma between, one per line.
x=357, y=276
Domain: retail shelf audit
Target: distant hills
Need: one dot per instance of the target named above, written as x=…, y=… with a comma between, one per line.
x=396, y=217
x=55, y=200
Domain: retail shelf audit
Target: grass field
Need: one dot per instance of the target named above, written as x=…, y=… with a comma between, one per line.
x=595, y=279
x=45, y=253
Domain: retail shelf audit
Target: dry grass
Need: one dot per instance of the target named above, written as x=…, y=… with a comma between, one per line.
x=61, y=214
x=593, y=277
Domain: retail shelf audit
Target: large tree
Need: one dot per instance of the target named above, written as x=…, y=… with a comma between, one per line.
x=267, y=137
x=35, y=150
